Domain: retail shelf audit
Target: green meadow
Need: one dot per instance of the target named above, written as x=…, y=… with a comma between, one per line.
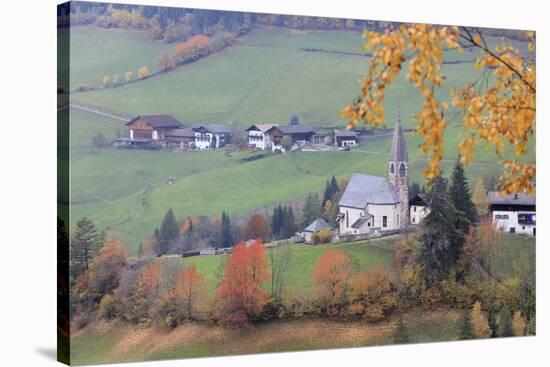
x=265, y=77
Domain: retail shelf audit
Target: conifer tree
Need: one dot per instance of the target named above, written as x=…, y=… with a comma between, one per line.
x=466, y=213
x=401, y=335
x=438, y=232
x=289, y=223
x=226, y=232
x=312, y=209
x=168, y=233
x=492, y=320
x=85, y=245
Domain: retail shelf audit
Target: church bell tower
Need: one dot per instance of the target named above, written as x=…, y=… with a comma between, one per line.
x=398, y=171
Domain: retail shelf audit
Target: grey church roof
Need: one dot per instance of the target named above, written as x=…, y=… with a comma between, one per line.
x=317, y=225
x=398, y=145
x=365, y=189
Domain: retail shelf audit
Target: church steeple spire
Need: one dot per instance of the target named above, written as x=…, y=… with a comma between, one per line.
x=398, y=146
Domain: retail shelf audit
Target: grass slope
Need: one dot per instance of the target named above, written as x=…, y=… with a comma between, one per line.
x=97, y=51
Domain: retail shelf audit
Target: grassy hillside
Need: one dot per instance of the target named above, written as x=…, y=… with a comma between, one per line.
x=270, y=78
x=97, y=51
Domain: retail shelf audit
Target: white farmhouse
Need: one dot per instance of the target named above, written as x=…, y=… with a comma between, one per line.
x=257, y=136
x=515, y=213
x=210, y=136
x=373, y=203
x=418, y=209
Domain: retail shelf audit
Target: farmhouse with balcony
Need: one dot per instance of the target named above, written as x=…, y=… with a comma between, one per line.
x=258, y=137
x=372, y=204
x=299, y=134
x=346, y=138
x=151, y=128
x=211, y=136
x=515, y=213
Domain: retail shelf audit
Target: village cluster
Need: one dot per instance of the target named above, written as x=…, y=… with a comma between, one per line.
x=166, y=131
x=370, y=206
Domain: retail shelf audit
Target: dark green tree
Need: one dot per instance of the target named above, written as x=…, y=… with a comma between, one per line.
x=414, y=190
x=401, y=334
x=492, y=320
x=226, y=232
x=289, y=222
x=438, y=233
x=277, y=222
x=505, y=323
x=312, y=209
x=466, y=212
x=294, y=120
x=84, y=246
x=465, y=327
x=168, y=232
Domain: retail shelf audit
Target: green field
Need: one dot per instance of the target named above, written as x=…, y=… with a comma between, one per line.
x=265, y=77
x=97, y=51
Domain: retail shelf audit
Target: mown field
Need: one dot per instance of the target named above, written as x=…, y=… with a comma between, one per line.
x=102, y=343
x=97, y=51
x=270, y=78
x=265, y=77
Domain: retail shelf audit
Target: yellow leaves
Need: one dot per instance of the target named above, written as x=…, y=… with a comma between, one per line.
x=499, y=115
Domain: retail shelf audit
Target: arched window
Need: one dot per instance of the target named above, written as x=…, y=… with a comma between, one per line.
x=402, y=170
x=392, y=169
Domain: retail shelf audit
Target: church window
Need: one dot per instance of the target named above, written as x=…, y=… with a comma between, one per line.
x=347, y=218
x=398, y=220
x=392, y=169
x=402, y=170
x=384, y=221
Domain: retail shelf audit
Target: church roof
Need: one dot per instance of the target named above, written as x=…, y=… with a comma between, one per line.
x=365, y=189
x=317, y=225
x=398, y=145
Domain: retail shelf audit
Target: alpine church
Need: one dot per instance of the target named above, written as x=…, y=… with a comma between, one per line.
x=375, y=203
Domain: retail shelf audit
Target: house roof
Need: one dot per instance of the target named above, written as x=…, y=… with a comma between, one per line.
x=495, y=197
x=398, y=146
x=365, y=189
x=296, y=129
x=213, y=128
x=262, y=127
x=317, y=225
x=342, y=134
x=158, y=121
x=181, y=133
x=419, y=200
x=359, y=222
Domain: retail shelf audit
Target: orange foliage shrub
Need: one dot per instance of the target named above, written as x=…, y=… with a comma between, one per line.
x=331, y=273
x=240, y=292
x=257, y=227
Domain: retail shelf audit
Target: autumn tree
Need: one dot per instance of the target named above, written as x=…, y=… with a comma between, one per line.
x=146, y=291
x=280, y=258
x=465, y=327
x=518, y=324
x=331, y=273
x=257, y=227
x=480, y=197
x=85, y=244
x=190, y=287
x=495, y=114
x=143, y=72
x=165, y=62
x=480, y=325
x=104, y=274
x=241, y=293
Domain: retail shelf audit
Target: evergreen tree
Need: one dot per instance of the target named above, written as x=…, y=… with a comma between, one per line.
x=168, y=233
x=84, y=246
x=312, y=209
x=226, y=231
x=466, y=212
x=465, y=326
x=294, y=120
x=414, y=190
x=326, y=194
x=438, y=233
x=401, y=335
x=277, y=221
x=505, y=323
x=289, y=223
